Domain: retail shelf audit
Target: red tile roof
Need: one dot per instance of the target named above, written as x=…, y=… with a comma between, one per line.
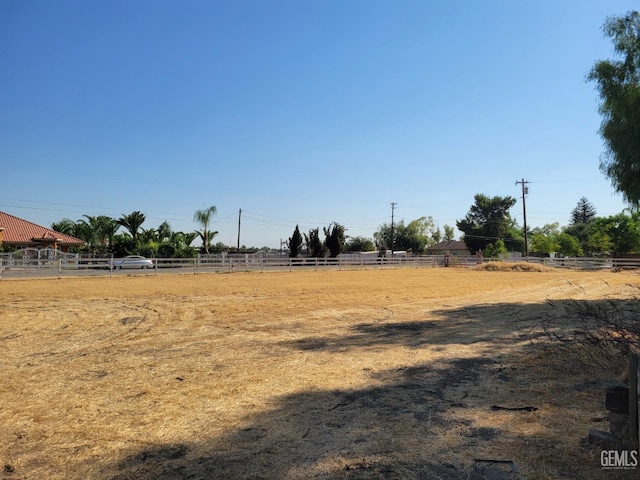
x=18, y=231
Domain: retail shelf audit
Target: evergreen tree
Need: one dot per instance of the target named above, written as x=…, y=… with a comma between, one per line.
x=295, y=243
x=315, y=246
x=583, y=213
x=335, y=239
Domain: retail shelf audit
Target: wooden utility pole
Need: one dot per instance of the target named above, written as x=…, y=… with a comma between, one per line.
x=239, y=216
x=393, y=207
x=525, y=191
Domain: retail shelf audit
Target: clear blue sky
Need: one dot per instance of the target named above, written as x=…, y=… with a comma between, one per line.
x=299, y=111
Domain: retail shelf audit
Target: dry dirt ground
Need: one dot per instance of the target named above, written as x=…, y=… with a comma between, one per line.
x=390, y=374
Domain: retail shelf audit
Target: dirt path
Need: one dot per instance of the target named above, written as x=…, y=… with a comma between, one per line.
x=352, y=374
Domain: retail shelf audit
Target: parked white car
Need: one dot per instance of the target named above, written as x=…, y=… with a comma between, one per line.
x=132, y=261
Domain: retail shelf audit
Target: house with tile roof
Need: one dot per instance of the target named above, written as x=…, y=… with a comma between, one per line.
x=18, y=234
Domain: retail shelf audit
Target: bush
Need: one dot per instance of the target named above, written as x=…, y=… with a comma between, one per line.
x=604, y=330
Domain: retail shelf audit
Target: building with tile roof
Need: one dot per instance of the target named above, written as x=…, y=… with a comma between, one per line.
x=18, y=233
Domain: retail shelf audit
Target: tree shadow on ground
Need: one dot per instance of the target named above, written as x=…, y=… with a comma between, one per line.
x=491, y=324
x=414, y=422
x=350, y=433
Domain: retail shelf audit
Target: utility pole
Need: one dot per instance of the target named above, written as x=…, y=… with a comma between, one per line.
x=239, y=216
x=393, y=207
x=525, y=191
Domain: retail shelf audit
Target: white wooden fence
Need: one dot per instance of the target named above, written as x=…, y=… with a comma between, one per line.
x=48, y=263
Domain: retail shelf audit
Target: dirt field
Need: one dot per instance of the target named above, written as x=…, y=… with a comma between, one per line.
x=390, y=374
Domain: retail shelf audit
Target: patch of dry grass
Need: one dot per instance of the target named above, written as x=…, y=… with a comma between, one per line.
x=498, y=266
x=352, y=374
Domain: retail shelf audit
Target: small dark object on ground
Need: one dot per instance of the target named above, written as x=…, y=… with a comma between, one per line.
x=528, y=408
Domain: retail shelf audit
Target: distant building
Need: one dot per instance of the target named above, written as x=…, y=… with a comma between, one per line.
x=451, y=247
x=18, y=234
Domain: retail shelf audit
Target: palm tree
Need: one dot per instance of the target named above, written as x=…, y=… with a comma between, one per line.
x=98, y=231
x=66, y=226
x=164, y=232
x=109, y=226
x=203, y=219
x=132, y=223
x=188, y=238
x=179, y=244
x=148, y=235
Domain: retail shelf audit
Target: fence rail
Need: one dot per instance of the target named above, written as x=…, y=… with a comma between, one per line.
x=65, y=264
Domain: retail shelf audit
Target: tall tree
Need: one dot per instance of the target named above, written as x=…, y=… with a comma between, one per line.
x=295, y=243
x=132, y=223
x=66, y=226
x=550, y=239
x=599, y=239
x=164, y=231
x=423, y=233
x=487, y=221
x=98, y=231
x=583, y=213
x=580, y=231
x=618, y=84
x=621, y=231
x=315, y=246
x=415, y=236
x=359, y=244
x=448, y=233
x=545, y=240
x=334, y=239
x=203, y=219
x=436, y=236
x=109, y=228
x=569, y=245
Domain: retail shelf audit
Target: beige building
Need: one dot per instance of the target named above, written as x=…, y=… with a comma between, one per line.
x=451, y=247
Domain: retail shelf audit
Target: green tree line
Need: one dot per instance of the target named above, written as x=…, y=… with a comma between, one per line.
x=126, y=235
x=489, y=227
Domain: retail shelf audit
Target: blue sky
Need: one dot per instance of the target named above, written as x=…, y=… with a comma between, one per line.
x=299, y=112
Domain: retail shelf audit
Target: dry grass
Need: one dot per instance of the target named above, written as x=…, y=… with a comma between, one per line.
x=351, y=374
x=512, y=267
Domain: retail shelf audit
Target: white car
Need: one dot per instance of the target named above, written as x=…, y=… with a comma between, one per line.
x=132, y=261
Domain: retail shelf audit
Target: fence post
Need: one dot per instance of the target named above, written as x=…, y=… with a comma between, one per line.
x=634, y=391
x=1, y=267
x=59, y=267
